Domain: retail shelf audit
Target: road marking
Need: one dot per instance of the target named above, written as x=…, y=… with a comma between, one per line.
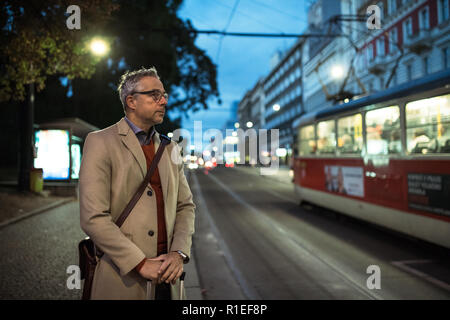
x=404, y=266
x=247, y=289
x=274, y=225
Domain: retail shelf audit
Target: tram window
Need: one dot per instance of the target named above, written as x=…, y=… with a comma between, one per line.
x=307, y=141
x=428, y=125
x=350, y=139
x=383, y=131
x=326, y=137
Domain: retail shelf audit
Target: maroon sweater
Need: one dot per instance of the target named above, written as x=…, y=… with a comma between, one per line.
x=155, y=182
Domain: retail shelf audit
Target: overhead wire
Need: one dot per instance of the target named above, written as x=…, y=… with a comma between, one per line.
x=250, y=17
x=230, y=18
x=277, y=10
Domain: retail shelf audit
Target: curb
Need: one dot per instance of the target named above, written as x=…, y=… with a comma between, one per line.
x=192, y=282
x=36, y=211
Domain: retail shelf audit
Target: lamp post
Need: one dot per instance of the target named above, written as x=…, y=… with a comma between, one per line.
x=26, y=122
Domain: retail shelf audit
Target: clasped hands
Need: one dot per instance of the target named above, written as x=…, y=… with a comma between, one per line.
x=164, y=268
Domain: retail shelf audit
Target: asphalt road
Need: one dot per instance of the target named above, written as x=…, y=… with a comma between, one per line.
x=36, y=253
x=253, y=241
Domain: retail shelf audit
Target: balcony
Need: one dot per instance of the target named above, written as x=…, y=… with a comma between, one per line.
x=419, y=42
x=378, y=65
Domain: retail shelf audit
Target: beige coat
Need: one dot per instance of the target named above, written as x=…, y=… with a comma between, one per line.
x=112, y=168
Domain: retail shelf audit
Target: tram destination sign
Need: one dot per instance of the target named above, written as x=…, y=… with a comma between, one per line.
x=429, y=192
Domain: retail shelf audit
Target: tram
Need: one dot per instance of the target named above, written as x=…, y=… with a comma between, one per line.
x=384, y=158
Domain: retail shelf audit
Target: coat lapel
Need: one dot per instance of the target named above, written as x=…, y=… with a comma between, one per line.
x=130, y=141
x=163, y=166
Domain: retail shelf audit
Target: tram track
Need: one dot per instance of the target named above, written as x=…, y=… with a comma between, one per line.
x=298, y=253
x=296, y=243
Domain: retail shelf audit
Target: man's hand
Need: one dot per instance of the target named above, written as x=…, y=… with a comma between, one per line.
x=171, y=268
x=149, y=270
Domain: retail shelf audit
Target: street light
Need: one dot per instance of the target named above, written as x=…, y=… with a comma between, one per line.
x=98, y=46
x=276, y=107
x=337, y=72
x=236, y=125
x=249, y=124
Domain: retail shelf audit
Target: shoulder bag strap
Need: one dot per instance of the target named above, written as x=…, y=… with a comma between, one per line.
x=126, y=212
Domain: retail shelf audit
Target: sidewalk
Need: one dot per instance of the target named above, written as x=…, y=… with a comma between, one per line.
x=31, y=204
x=17, y=206
x=192, y=282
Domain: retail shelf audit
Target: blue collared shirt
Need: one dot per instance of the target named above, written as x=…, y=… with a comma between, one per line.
x=144, y=139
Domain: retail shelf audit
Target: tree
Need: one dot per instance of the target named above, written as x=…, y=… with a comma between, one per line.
x=154, y=36
x=149, y=33
x=36, y=43
x=38, y=48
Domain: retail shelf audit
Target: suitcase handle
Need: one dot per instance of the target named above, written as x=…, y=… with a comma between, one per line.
x=151, y=288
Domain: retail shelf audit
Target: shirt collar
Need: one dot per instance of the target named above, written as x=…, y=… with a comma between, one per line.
x=140, y=132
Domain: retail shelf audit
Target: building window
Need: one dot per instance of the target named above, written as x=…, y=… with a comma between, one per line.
x=392, y=6
x=446, y=57
x=407, y=29
x=380, y=46
x=409, y=72
x=443, y=10
x=393, y=40
x=426, y=65
x=381, y=6
x=424, y=19
x=369, y=52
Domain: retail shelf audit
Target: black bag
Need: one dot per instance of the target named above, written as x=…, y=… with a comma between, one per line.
x=88, y=253
x=87, y=263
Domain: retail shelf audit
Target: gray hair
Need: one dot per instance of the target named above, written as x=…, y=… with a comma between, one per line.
x=130, y=80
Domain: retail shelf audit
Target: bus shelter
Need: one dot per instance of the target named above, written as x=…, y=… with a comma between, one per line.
x=57, y=148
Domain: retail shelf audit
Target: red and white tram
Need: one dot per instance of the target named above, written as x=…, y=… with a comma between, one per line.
x=384, y=158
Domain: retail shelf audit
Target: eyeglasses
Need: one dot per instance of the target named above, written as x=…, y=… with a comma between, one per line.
x=155, y=94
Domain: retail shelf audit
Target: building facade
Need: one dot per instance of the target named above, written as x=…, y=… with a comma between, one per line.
x=354, y=60
x=283, y=97
x=251, y=116
x=414, y=41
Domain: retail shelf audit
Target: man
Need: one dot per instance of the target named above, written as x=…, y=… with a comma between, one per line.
x=156, y=238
